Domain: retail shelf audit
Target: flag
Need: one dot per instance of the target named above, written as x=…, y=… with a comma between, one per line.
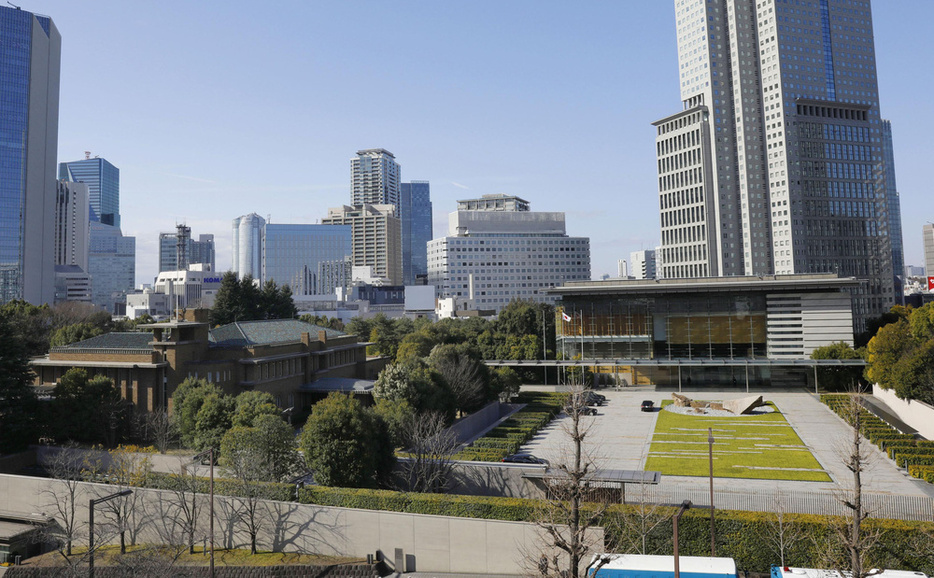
x=565, y=316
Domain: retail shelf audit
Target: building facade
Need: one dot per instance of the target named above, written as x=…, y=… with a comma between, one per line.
x=30, y=56
x=296, y=362
x=192, y=288
x=893, y=207
x=643, y=264
x=247, y=247
x=376, y=238
x=200, y=252
x=771, y=166
x=720, y=331
x=111, y=266
x=103, y=181
x=493, y=255
x=72, y=227
x=415, y=213
x=375, y=178
x=927, y=232
x=303, y=256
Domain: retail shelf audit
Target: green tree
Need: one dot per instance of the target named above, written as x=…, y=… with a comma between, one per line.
x=243, y=301
x=28, y=324
x=901, y=356
x=74, y=333
x=213, y=420
x=346, y=445
x=18, y=405
x=838, y=378
x=397, y=415
x=187, y=401
x=467, y=378
x=89, y=409
x=228, y=303
x=249, y=405
x=418, y=384
x=266, y=449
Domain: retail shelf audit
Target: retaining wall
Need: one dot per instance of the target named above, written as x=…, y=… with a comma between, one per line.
x=917, y=414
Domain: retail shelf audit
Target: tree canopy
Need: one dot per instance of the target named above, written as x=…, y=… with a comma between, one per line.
x=18, y=405
x=346, y=444
x=843, y=378
x=242, y=300
x=901, y=355
x=88, y=409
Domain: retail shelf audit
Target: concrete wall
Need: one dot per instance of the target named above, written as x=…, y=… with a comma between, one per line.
x=481, y=421
x=917, y=414
x=430, y=543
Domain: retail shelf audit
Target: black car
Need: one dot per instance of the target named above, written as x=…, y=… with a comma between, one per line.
x=588, y=411
x=525, y=459
x=591, y=398
x=648, y=405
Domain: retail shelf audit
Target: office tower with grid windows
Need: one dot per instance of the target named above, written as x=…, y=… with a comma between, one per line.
x=293, y=255
x=894, y=209
x=103, y=181
x=497, y=250
x=376, y=238
x=174, y=256
x=30, y=63
x=643, y=264
x=774, y=163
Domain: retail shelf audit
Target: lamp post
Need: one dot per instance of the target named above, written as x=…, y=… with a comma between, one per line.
x=684, y=506
x=210, y=454
x=91, y=504
x=713, y=535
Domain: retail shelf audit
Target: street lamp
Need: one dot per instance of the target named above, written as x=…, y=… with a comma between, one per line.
x=684, y=506
x=210, y=455
x=91, y=504
x=713, y=535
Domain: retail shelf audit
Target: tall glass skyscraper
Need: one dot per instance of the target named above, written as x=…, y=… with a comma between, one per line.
x=247, y=250
x=894, y=211
x=773, y=164
x=415, y=212
x=30, y=63
x=103, y=181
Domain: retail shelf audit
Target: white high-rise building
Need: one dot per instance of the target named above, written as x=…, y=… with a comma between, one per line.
x=375, y=179
x=493, y=254
x=928, y=232
x=643, y=264
x=247, y=249
x=771, y=166
x=376, y=238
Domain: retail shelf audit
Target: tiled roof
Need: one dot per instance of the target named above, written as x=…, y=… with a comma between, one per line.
x=130, y=340
x=249, y=333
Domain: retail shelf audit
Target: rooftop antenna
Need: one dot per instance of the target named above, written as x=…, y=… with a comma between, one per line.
x=87, y=154
x=268, y=217
x=13, y=5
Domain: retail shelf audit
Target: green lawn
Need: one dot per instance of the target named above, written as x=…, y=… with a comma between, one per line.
x=753, y=446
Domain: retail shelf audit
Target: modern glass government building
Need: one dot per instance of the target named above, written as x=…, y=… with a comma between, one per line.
x=715, y=331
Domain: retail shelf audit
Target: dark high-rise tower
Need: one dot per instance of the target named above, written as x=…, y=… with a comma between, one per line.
x=773, y=164
x=30, y=62
x=415, y=211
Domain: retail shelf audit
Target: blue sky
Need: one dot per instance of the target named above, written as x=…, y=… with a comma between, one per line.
x=212, y=110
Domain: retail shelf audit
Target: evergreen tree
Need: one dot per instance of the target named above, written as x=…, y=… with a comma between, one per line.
x=18, y=405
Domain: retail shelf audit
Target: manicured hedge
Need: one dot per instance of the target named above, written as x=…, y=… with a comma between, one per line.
x=905, y=449
x=925, y=473
x=508, y=437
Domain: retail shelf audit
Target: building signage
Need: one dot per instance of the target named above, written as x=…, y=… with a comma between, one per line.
x=930, y=283
x=211, y=280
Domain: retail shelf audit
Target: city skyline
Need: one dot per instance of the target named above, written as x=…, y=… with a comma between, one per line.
x=564, y=121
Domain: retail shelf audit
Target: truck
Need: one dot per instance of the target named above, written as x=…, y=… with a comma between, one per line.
x=789, y=572
x=646, y=566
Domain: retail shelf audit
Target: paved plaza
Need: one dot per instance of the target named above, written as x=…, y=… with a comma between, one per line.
x=621, y=435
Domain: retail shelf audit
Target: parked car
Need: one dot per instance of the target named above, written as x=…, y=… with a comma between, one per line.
x=591, y=398
x=589, y=411
x=525, y=459
x=648, y=405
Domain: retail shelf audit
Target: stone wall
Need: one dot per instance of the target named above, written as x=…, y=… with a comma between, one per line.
x=429, y=543
x=917, y=414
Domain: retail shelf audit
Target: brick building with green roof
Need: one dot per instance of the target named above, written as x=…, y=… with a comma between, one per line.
x=296, y=362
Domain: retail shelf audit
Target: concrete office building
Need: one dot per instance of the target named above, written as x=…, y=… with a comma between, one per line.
x=103, y=181
x=643, y=264
x=493, y=255
x=191, y=288
x=718, y=332
x=247, y=249
x=894, y=206
x=771, y=165
x=72, y=243
x=375, y=178
x=293, y=255
x=415, y=214
x=30, y=53
x=927, y=232
x=111, y=266
x=200, y=252
x=376, y=238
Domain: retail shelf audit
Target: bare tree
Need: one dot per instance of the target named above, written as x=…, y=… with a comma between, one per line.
x=429, y=466
x=784, y=532
x=638, y=520
x=159, y=428
x=572, y=507
x=68, y=467
x=247, y=468
x=851, y=541
x=129, y=467
x=178, y=512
